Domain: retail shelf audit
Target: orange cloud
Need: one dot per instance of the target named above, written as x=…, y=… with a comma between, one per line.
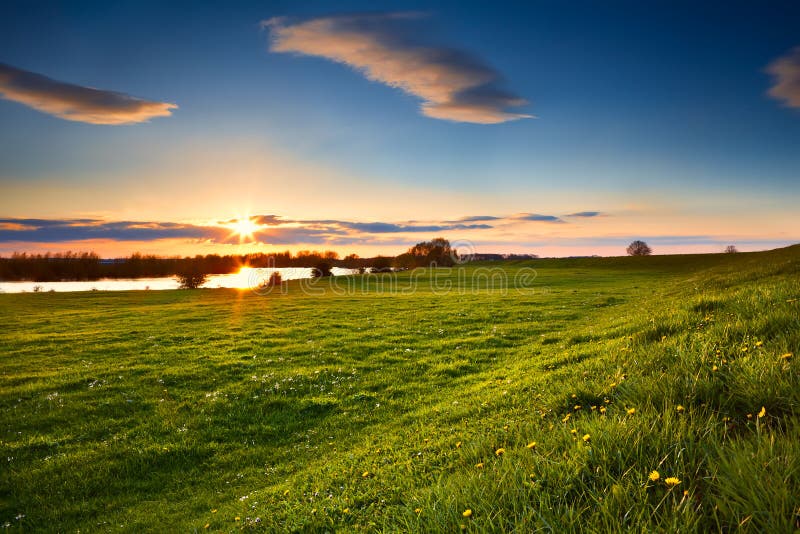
x=786, y=73
x=75, y=102
x=453, y=84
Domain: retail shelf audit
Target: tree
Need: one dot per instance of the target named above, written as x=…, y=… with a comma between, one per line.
x=436, y=251
x=191, y=280
x=381, y=264
x=639, y=248
x=322, y=268
x=731, y=249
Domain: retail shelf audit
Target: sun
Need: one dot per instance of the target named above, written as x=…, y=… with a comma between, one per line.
x=244, y=227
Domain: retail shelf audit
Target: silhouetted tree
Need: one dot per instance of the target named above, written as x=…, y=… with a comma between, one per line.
x=191, y=280
x=639, y=248
x=382, y=264
x=321, y=268
x=436, y=251
x=731, y=249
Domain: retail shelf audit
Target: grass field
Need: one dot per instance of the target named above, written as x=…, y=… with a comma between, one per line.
x=546, y=404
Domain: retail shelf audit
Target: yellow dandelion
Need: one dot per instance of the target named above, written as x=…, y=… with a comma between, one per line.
x=654, y=475
x=613, y=385
x=365, y=474
x=631, y=411
x=285, y=493
x=207, y=525
x=586, y=438
x=566, y=418
x=214, y=511
x=346, y=511
x=577, y=407
x=458, y=445
x=467, y=513
x=680, y=408
x=574, y=396
x=531, y=445
x=759, y=343
x=602, y=410
x=786, y=356
x=762, y=413
x=533, y=475
x=744, y=349
x=417, y=510
x=237, y=518
x=574, y=431
x=479, y=465
x=671, y=481
x=714, y=368
x=500, y=452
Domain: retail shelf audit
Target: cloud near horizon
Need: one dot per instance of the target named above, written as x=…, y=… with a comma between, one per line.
x=786, y=78
x=453, y=84
x=585, y=214
x=75, y=102
x=537, y=217
x=273, y=229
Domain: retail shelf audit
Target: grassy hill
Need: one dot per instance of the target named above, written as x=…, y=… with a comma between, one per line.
x=516, y=396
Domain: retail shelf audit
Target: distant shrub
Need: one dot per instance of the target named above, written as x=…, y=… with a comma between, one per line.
x=275, y=279
x=191, y=280
x=731, y=249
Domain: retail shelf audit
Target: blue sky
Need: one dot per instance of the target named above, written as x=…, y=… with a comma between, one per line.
x=655, y=114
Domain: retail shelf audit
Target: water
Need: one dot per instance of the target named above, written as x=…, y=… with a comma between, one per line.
x=245, y=278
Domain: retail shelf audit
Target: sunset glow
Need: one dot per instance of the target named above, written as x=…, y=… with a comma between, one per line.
x=366, y=129
x=244, y=228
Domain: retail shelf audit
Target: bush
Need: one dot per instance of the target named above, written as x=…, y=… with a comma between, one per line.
x=191, y=280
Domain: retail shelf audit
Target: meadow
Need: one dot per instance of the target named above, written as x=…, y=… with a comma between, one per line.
x=645, y=394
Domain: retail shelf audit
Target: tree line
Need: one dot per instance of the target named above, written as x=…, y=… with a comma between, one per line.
x=86, y=266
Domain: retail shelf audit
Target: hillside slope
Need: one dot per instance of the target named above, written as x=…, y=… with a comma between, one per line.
x=535, y=400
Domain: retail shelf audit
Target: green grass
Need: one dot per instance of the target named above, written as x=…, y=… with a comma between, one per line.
x=369, y=411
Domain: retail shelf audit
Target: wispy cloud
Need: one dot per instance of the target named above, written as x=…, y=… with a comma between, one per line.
x=786, y=78
x=75, y=102
x=272, y=229
x=537, y=217
x=476, y=218
x=59, y=230
x=585, y=214
x=391, y=228
x=453, y=84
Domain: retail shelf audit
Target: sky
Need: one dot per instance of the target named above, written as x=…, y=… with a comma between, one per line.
x=552, y=128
